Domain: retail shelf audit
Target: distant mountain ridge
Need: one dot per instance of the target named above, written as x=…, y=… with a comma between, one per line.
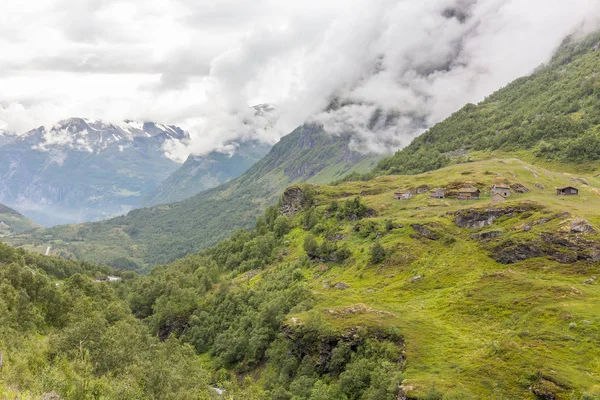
x=162, y=233
x=80, y=170
x=200, y=173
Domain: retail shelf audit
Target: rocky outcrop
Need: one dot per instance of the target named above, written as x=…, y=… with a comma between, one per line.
x=547, y=388
x=292, y=201
x=480, y=218
x=321, y=345
x=425, y=232
x=486, y=235
x=579, y=225
x=565, y=250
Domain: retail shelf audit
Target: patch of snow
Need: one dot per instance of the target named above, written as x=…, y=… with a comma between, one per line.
x=136, y=125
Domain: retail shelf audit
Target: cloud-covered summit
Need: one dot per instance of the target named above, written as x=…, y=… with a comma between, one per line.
x=390, y=68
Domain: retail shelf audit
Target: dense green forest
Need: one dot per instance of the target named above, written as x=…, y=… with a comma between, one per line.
x=553, y=114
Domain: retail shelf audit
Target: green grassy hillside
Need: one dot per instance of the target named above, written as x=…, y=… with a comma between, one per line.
x=361, y=296
x=553, y=115
x=163, y=233
x=12, y=222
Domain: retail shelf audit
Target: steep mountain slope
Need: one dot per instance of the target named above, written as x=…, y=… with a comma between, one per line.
x=81, y=170
x=200, y=173
x=554, y=114
x=12, y=222
x=162, y=233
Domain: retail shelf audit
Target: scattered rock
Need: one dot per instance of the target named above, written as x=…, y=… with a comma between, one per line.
x=486, y=235
x=371, y=291
x=547, y=389
x=326, y=286
x=527, y=228
x=322, y=268
x=426, y=232
x=539, y=185
x=341, y=285
x=579, y=225
x=586, y=322
x=590, y=281
x=572, y=325
x=416, y=278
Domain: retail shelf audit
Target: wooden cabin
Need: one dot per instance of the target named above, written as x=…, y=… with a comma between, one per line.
x=567, y=191
x=504, y=190
x=403, y=195
x=468, y=193
x=437, y=193
x=498, y=198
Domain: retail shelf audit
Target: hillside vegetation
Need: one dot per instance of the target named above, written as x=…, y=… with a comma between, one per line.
x=482, y=300
x=163, y=233
x=13, y=222
x=343, y=292
x=553, y=114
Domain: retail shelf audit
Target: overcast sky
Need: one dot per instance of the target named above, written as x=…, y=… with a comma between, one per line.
x=201, y=64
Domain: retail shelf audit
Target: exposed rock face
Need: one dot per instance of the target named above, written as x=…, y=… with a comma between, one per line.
x=539, y=185
x=486, y=235
x=473, y=218
x=426, y=232
x=558, y=248
x=341, y=286
x=303, y=342
x=579, y=225
x=291, y=203
x=547, y=389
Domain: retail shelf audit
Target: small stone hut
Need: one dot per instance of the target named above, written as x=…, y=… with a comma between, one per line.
x=504, y=190
x=403, y=195
x=498, y=198
x=437, y=193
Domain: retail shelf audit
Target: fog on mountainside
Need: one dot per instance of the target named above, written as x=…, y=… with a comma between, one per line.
x=397, y=67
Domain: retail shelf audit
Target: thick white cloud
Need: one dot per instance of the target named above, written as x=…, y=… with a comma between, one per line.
x=201, y=64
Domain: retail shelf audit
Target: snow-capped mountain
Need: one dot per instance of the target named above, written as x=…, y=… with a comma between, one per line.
x=94, y=135
x=82, y=170
x=6, y=137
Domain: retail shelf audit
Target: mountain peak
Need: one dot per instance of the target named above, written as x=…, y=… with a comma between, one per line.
x=92, y=135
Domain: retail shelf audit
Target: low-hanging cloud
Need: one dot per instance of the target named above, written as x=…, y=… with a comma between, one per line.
x=384, y=70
